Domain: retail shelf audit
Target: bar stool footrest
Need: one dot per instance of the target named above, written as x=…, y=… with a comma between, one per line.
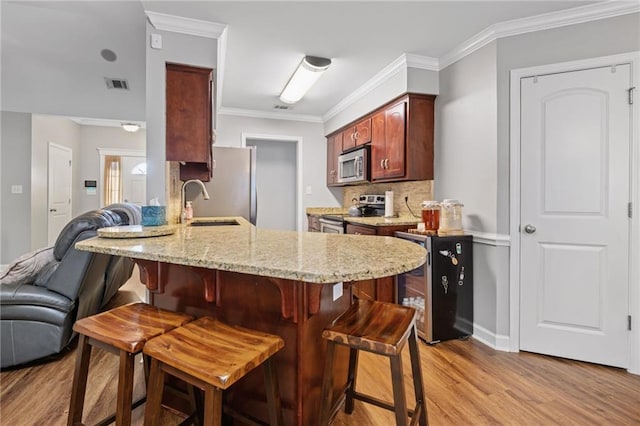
x=244, y=418
x=415, y=416
x=377, y=402
x=112, y=418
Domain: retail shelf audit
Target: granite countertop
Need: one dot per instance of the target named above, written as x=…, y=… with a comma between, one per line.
x=383, y=221
x=305, y=256
x=318, y=211
x=404, y=219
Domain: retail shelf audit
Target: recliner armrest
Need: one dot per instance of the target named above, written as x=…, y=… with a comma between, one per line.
x=27, y=294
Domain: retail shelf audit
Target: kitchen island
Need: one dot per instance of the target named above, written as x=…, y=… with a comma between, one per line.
x=292, y=284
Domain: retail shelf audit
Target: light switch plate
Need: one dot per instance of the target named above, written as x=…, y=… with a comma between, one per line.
x=156, y=41
x=16, y=189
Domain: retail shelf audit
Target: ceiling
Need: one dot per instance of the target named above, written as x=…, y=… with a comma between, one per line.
x=51, y=59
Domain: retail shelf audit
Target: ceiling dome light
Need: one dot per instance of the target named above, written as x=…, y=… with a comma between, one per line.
x=308, y=72
x=130, y=127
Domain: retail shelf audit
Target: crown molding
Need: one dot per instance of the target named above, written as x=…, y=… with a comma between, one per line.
x=103, y=122
x=190, y=26
x=422, y=62
x=404, y=61
x=241, y=112
x=545, y=21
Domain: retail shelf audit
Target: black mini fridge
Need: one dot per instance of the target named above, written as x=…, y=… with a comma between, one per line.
x=442, y=289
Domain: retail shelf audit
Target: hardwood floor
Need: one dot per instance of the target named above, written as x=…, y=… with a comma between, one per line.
x=466, y=383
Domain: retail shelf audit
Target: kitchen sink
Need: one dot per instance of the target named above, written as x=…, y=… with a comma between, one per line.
x=214, y=223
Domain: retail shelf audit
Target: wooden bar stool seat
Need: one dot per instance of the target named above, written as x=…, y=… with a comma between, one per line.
x=123, y=331
x=384, y=329
x=212, y=356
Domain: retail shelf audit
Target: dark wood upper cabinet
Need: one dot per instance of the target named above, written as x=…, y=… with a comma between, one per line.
x=402, y=141
x=363, y=132
x=334, y=149
x=356, y=135
x=189, y=119
x=348, y=138
x=401, y=138
x=388, y=153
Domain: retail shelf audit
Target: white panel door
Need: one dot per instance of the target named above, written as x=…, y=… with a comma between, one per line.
x=134, y=180
x=575, y=146
x=59, y=190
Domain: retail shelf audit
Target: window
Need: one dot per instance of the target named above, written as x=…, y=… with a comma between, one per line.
x=112, y=179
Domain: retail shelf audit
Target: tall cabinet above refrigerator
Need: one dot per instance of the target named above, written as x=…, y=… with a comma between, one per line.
x=442, y=289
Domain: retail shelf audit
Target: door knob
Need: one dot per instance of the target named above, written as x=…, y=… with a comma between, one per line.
x=529, y=229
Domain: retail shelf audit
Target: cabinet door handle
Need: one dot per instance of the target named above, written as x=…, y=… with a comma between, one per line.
x=355, y=136
x=386, y=163
x=382, y=164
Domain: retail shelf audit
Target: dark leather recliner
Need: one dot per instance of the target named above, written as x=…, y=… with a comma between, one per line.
x=36, y=318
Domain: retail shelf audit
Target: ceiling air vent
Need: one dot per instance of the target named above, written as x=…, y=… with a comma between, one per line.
x=116, y=83
x=284, y=107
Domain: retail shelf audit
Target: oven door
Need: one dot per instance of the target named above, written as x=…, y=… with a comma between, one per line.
x=331, y=226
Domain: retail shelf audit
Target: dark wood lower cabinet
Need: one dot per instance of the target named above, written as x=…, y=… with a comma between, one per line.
x=296, y=311
x=380, y=289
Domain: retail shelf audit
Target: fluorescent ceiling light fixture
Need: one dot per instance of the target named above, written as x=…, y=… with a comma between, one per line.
x=130, y=127
x=307, y=73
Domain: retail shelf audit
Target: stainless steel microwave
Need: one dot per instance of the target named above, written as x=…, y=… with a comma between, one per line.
x=353, y=167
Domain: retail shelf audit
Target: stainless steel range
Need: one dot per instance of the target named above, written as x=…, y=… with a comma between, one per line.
x=332, y=224
x=369, y=206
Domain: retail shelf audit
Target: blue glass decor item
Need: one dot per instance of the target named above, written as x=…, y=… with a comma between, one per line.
x=154, y=215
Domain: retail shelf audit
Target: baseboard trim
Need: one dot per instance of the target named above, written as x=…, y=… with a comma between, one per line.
x=494, y=341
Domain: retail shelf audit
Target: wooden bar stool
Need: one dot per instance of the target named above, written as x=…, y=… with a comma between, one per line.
x=381, y=328
x=123, y=331
x=212, y=356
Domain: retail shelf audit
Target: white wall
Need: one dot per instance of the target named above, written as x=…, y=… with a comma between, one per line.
x=94, y=137
x=15, y=149
x=314, y=151
x=177, y=48
x=466, y=137
x=466, y=162
x=61, y=131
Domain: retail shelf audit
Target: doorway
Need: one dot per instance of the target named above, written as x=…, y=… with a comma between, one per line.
x=132, y=175
x=58, y=190
x=573, y=292
x=278, y=181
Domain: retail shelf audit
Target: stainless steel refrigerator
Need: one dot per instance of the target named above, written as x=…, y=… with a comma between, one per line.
x=232, y=188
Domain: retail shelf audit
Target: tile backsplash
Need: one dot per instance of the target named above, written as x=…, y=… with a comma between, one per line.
x=417, y=191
